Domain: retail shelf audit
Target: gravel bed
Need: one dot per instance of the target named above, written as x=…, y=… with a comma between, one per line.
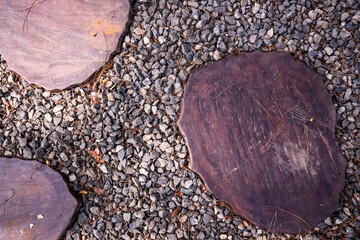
x=140, y=187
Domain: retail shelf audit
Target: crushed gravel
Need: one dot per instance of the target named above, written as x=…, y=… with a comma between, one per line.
x=141, y=187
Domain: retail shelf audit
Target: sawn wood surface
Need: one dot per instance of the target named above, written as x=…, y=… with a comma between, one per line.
x=60, y=43
x=260, y=129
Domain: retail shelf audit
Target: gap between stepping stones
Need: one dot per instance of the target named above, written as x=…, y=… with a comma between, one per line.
x=260, y=130
x=58, y=44
x=34, y=202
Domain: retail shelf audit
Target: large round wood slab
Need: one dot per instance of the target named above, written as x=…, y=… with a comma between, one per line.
x=35, y=202
x=60, y=43
x=260, y=129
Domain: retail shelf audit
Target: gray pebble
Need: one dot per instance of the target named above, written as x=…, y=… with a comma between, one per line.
x=127, y=217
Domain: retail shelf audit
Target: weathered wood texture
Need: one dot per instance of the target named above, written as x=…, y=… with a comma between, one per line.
x=35, y=202
x=260, y=129
x=60, y=43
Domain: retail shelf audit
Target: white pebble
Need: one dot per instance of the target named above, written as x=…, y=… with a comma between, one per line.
x=216, y=55
x=58, y=108
x=103, y=168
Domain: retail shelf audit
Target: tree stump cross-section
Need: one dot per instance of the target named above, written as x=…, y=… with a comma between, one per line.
x=59, y=43
x=260, y=130
x=35, y=202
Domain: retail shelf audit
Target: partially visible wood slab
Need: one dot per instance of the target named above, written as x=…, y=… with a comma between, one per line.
x=260, y=129
x=60, y=43
x=35, y=202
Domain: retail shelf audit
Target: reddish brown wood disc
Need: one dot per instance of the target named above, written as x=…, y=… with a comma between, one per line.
x=60, y=43
x=35, y=202
x=260, y=129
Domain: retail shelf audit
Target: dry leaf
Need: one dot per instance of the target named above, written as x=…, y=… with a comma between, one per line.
x=99, y=191
x=94, y=86
x=97, y=155
x=83, y=192
x=180, y=194
x=176, y=211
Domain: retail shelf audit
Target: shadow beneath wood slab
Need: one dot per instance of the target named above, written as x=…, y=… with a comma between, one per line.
x=62, y=50
x=260, y=131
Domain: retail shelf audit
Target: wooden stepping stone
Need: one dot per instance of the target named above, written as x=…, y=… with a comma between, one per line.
x=260, y=129
x=35, y=202
x=58, y=44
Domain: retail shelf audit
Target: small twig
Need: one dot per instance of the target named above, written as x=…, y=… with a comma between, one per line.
x=232, y=39
x=306, y=138
x=68, y=150
x=279, y=110
x=271, y=140
x=357, y=178
x=85, y=121
x=269, y=114
x=344, y=224
x=178, y=64
x=291, y=109
x=107, y=66
x=27, y=15
x=223, y=91
x=28, y=11
x=33, y=5
x=286, y=211
x=13, y=195
x=273, y=222
x=228, y=175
